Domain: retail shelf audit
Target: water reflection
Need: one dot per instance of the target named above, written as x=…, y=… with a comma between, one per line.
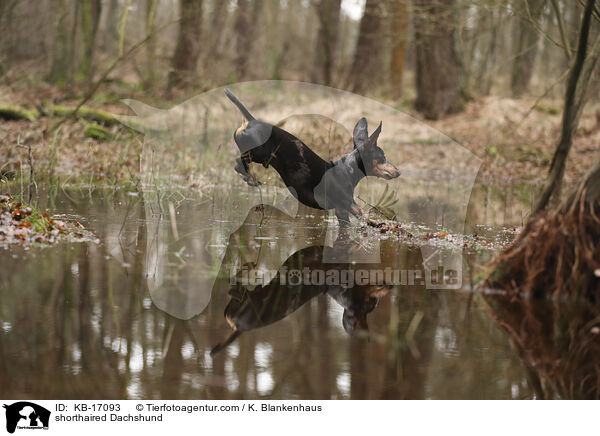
x=78, y=321
x=559, y=344
x=305, y=275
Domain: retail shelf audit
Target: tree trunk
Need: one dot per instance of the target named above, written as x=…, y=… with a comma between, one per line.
x=185, y=58
x=437, y=73
x=217, y=24
x=526, y=48
x=367, y=56
x=484, y=74
x=399, y=11
x=246, y=18
x=90, y=18
x=111, y=32
x=577, y=85
x=151, y=44
x=328, y=13
x=76, y=6
x=59, y=72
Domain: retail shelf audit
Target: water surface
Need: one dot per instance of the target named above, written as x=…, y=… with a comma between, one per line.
x=137, y=315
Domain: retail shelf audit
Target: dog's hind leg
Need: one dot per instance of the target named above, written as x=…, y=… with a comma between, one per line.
x=242, y=166
x=356, y=211
x=343, y=217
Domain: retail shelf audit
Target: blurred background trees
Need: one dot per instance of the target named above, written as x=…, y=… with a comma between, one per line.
x=433, y=54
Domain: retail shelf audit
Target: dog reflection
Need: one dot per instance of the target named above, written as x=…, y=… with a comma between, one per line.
x=264, y=305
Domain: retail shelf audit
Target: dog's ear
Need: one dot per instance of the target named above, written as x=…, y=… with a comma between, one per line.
x=360, y=134
x=374, y=136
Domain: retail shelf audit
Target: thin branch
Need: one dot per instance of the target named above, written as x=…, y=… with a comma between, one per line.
x=537, y=100
x=596, y=13
x=570, y=115
x=122, y=27
x=104, y=75
x=561, y=29
x=536, y=26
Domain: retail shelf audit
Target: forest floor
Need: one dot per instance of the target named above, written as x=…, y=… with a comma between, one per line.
x=514, y=139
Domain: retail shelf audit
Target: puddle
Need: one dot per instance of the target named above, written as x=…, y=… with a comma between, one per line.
x=138, y=315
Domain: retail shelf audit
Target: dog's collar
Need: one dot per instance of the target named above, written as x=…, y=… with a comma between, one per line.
x=267, y=163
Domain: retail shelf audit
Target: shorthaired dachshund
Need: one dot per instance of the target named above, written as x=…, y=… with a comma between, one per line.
x=314, y=181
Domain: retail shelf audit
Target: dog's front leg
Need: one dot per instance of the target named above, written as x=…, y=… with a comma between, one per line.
x=343, y=216
x=356, y=211
x=242, y=166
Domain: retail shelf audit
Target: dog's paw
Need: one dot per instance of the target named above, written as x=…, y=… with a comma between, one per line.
x=251, y=181
x=376, y=224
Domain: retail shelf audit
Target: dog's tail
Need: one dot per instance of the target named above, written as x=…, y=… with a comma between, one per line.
x=239, y=104
x=232, y=337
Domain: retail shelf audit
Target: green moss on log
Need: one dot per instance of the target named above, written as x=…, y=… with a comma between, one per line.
x=15, y=113
x=87, y=113
x=97, y=132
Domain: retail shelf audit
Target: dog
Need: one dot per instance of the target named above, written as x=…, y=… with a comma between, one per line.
x=270, y=303
x=313, y=181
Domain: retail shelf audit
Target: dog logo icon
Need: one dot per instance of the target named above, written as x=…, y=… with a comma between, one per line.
x=26, y=415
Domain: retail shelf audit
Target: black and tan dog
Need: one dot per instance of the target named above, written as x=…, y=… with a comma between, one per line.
x=314, y=181
x=265, y=305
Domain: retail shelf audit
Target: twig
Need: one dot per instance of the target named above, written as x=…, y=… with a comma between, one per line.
x=537, y=101
x=536, y=25
x=561, y=29
x=32, y=182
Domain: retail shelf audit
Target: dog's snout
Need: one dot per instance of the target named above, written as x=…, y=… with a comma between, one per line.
x=389, y=171
x=394, y=172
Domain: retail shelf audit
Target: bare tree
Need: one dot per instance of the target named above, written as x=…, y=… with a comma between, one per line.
x=90, y=18
x=328, y=14
x=526, y=45
x=399, y=24
x=575, y=97
x=367, y=56
x=217, y=25
x=437, y=65
x=60, y=71
x=111, y=31
x=151, y=44
x=485, y=47
x=185, y=58
x=247, y=15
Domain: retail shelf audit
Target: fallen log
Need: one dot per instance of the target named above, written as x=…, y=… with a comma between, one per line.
x=14, y=113
x=86, y=113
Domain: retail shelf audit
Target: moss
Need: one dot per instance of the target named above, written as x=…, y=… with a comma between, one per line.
x=14, y=113
x=40, y=221
x=547, y=109
x=97, y=132
x=87, y=113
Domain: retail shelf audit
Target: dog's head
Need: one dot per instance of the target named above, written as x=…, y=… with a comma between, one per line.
x=373, y=157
